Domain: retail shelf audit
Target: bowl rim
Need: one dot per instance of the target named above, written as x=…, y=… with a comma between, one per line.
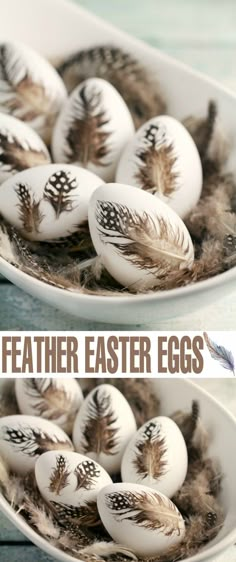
x=208, y=553
x=168, y=295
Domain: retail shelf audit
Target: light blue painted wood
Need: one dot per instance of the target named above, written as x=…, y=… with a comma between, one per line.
x=24, y=554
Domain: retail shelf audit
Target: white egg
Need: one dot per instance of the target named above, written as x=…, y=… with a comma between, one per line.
x=163, y=159
x=70, y=484
x=57, y=400
x=156, y=457
x=48, y=202
x=140, y=518
x=93, y=128
x=24, y=438
x=138, y=237
x=103, y=427
x=20, y=147
x=31, y=89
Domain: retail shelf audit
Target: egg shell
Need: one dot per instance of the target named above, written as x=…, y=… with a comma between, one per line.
x=110, y=126
x=32, y=89
x=20, y=147
x=70, y=483
x=24, y=438
x=48, y=202
x=162, y=158
x=103, y=427
x=140, y=518
x=120, y=218
x=156, y=456
x=57, y=400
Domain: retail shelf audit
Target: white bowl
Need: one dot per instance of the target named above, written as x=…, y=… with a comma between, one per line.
x=175, y=394
x=187, y=92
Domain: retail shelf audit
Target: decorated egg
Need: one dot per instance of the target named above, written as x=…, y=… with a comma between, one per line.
x=156, y=457
x=57, y=400
x=103, y=427
x=48, y=202
x=20, y=147
x=31, y=89
x=70, y=483
x=163, y=159
x=138, y=237
x=24, y=438
x=93, y=128
x=140, y=518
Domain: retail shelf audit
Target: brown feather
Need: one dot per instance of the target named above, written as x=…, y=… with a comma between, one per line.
x=84, y=515
x=49, y=400
x=150, y=457
x=33, y=442
x=156, y=166
x=29, y=209
x=59, y=477
x=17, y=157
x=100, y=428
x=87, y=133
x=141, y=93
x=58, y=191
x=148, y=510
x=152, y=240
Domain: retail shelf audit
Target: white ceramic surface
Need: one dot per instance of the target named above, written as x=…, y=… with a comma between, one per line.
x=175, y=394
x=186, y=92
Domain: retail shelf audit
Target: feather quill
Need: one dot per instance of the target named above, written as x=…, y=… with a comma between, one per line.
x=220, y=353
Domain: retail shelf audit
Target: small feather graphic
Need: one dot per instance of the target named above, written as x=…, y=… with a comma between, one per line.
x=148, y=510
x=15, y=157
x=20, y=95
x=87, y=134
x=220, y=353
x=48, y=399
x=144, y=240
x=85, y=515
x=33, y=441
x=59, y=478
x=86, y=474
x=156, y=171
x=30, y=214
x=58, y=191
x=100, y=429
x=150, y=457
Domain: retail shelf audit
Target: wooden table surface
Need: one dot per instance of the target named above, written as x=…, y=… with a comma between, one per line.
x=201, y=33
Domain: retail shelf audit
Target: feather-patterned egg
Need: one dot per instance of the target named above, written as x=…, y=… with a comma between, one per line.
x=156, y=457
x=70, y=484
x=139, y=238
x=30, y=88
x=103, y=427
x=93, y=128
x=140, y=518
x=163, y=159
x=48, y=202
x=24, y=438
x=20, y=147
x=57, y=400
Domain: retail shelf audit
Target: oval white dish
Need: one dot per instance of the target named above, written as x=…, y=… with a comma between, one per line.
x=192, y=92
x=219, y=423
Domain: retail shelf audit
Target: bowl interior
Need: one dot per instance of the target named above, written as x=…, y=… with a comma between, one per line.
x=64, y=28
x=175, y=394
